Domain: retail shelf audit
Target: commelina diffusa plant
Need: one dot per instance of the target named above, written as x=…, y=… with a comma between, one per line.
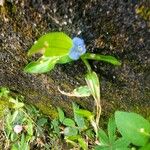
x=58, y=48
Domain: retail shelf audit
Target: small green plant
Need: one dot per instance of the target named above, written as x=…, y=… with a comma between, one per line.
x=125, y=131
x=134, y=128
x=134, y=131
x=77, y=130
x=23, y=124
x=110, y=141
x=58, y=48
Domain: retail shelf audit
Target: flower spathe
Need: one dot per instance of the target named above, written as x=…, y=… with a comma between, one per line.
x=78, y=48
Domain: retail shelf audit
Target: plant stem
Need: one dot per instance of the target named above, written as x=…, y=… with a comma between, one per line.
x=96, y=98
x=94, y=124
x=98, y=112
x=87, y=64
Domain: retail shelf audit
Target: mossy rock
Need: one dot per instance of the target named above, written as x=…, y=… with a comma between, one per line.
x=108, y=27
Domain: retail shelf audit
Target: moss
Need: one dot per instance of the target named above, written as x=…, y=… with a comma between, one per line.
x=48, y=110
x=144, y=12
x=4, y=104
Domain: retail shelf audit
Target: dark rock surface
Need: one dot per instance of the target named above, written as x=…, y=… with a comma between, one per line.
x=112, y=27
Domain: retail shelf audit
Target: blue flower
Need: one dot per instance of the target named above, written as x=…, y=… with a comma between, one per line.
x=78, y=48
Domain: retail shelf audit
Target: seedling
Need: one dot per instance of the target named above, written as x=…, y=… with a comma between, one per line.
x=58, y=48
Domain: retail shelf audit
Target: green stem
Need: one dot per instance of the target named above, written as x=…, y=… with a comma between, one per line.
x=87, y=64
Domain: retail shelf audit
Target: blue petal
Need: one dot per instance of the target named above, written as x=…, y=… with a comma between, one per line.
x=78, y=48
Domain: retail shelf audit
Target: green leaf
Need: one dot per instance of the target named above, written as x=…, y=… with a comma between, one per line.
x=42, y=121
x=133, y=127
x=107, y=58
x=72, y=140
x=90, y=133
x=22, y=142
x=82, y=143
x=29, y=128
x=82, y=91
x=85, y=113
x=52, y=44
x=70, y=131
x=145, y=147
x=121, y=143
x=55, y=126
x=14, y=115
x=61, y=114
x=13, y=137
x=68, y=122
x=111, y=130
x=18, y=105
x=64, y=59
x=44, y=64
x=101, y=148
x=78, y=118
x=103, y=138
x=14, y=147
x=93, y=84
x=4, y=92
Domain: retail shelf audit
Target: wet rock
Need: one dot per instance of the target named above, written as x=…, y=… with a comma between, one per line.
x=107, y=26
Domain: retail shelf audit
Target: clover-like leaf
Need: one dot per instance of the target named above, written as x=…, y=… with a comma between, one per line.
x=133, y=127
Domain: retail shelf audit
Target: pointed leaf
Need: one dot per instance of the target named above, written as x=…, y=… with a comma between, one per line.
x=61, y=115
x=103, y=138
x=44, y=64
x=22, y=142
x=111, y=130
x=29, y=128
x=93, y=84
x=14, y=115
x=41, y=122
x=121, y=143
x=133, y=127
x=78, y=118
x=52, y=44
x=85, y=113
x=82, y=143
x=107, y=58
